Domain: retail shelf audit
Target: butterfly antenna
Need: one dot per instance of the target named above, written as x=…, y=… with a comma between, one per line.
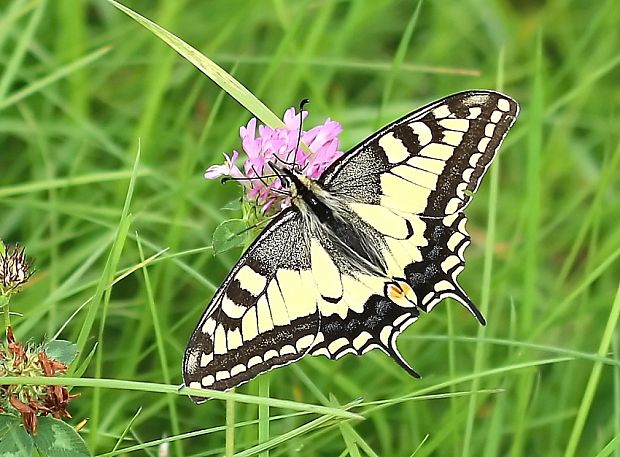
x=226, y=179
x=266, y=184
x=283, y=178
x=302, y=104
x=261, y=178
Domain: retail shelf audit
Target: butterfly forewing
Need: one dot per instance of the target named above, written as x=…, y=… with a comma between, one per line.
x=430, y=161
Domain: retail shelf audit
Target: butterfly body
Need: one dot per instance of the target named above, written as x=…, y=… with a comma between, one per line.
x=360, y=251
x=332, y=218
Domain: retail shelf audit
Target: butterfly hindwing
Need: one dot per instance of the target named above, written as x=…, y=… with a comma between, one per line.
x=257, y=320
x=376, y=326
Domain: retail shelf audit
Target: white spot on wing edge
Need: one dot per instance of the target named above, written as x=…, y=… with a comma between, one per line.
x=423, y=132
x=444, y=285
x=503, y=104
x=250, y=280
x=370, y=347
x=209, y=326
x=360, y=340
x=496, y=116
x=346, y=351
x=474, y=112
x=483, y=144
x=231, y=309
x=394, y=149
x=400, y=319
x=473, y=160
x=322, y=351
x=455, y=240
x=449, y=263
x=385, y=334
x=304, y=342
x=255, y=360
x=337, y=344
x=467, y=174
x=461, y=188
x=453, y=205
x=441, y=111
x=205, y=359
x=221, y=375
x=237, y=369
x=287, y=349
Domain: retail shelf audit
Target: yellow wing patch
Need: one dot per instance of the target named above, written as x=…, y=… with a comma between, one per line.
x=325, y=271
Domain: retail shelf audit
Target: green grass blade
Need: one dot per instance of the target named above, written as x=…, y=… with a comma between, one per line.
x=216, y=73
x=593, y=380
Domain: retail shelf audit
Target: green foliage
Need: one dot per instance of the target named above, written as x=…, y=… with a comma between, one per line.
x=83, y=88
x=229, y=234
x=61, y=350
x=54, y=438
x=14, y=440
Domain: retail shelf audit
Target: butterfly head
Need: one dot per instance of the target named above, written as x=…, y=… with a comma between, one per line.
x=299, y=186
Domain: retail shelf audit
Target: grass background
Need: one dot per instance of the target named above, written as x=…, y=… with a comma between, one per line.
x=83, y=88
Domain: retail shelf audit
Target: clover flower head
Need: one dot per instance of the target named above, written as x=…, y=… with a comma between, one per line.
x=31, y=401
x=14, y=269
x=264, y=145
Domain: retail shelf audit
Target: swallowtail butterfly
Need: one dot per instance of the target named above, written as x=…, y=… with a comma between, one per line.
x=360, y=251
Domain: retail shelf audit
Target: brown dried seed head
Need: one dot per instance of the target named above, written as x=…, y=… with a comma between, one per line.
x=28, y=413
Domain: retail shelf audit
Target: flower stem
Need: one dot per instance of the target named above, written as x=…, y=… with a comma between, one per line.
x=230, y=427
x=263, y=412
x=4, y=304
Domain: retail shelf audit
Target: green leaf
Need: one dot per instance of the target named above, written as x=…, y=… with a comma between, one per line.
x=80, y=369
x=233, y=205
x=6, y=420
x=14, y=440
x=61, y=350
x=229, y=234
x=56, y=438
